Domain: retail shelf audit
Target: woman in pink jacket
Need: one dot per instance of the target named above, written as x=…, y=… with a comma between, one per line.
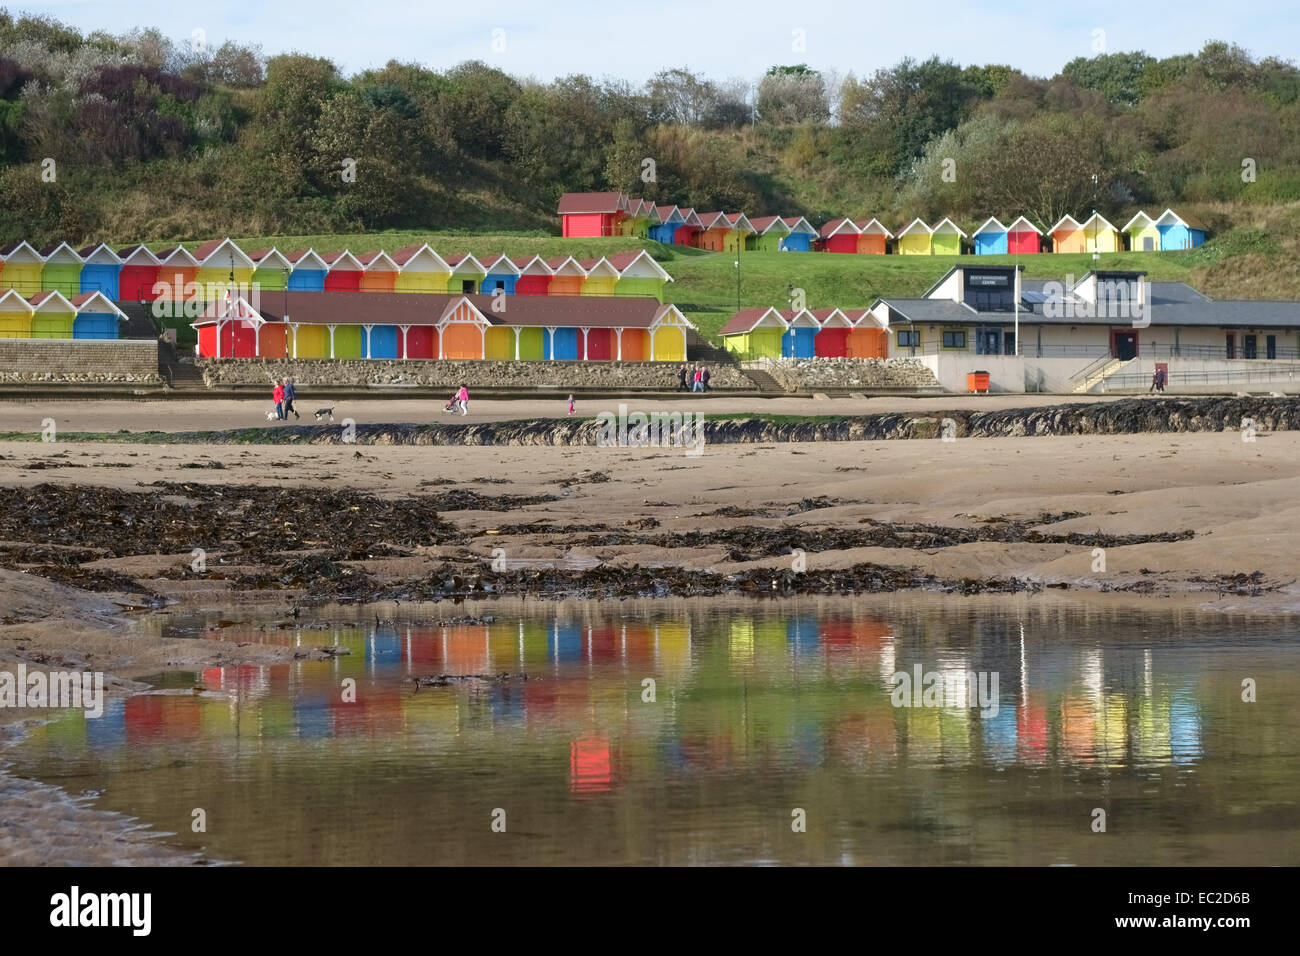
x=277, y=396
x=463, y=397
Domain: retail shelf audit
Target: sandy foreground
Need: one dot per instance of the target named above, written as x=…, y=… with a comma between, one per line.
x=1240, y=499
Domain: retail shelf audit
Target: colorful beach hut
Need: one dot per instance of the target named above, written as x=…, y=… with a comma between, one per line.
x=343, y=272
x=769, y=231
x=602, y=276
x=100, y=270
x=271, y=269
x=741, y=230
x=670, y=217
x=991, y=238
x=832, y=339
x=688, y=233
x=15, y=315
x=867, y=338
x=379, y=272
x=307, y=272
x=1099, y=235
x=715, y=228
x=639, y=274
x=220, y=261
x=754, y=333
x=534, y=275
x=22, y=269
x=178, y=275
x=801, y=235
x=467, y=274
x=1067, y=235
x=1143, y=236
x=567, y=276
x=1178, y=232
x=873, y=237
x=914, y=239
x=946, y=238
x=62, y=270
x=839, y=235
x=1023, y=237
x=799, y=339
x=53, y=315
x=139, y=276
x=591, y=214
x=97, y=316
x=230, y=330
x=420, y=270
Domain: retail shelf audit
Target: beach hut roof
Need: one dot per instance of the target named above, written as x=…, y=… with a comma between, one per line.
x=915, y=225
x=271, y=258
x=407, y=256
x=1074, y=224
x=220, y=247
x=62, y=251
x=947, y=225
x=343, y=261
x=714, y=220
x=307, y=259
x=738, y=221
x=836, y=226
x=1147, y=221
x=641, y=261
x=602, y=265
x=377, y=261
x=800, y=225
x=873, y=227
x=588, y=203
x=1171, y=218
x=746, y=320
x=532, y=265
x=763, y=224
x=127, y=253
x=991, y=221
x=99, y=255
x=51, y=301
x=566, y=265
x=1100, y=220
x=95, y=302
x=501, y=265
x=465, y=264
x=20, y=252
x=166, y=256
x=832, y=317
x=1022, y=220
x=669, y=213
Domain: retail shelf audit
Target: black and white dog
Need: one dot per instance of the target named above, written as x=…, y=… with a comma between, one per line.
x=325, y=413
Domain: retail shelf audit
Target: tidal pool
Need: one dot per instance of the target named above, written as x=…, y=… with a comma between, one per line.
x=764, y=713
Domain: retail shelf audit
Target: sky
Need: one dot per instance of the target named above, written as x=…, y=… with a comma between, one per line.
x=632, y=39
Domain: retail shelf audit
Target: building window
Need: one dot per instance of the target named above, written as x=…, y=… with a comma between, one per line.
x=909, y=338
x=954, y=338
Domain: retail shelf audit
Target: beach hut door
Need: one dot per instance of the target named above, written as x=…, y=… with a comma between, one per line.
x=1148, y=244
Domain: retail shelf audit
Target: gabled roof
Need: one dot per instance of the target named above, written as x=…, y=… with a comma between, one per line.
x=623, y=261
x=377, y=261
x=465, y=264
x=271, y=258
x=587, y=203
x=746, y=320
x=836, y=226
x=406, y=255
x=100, y=255
x=590, y=266
x=64, y=251
x=738, y=221
x=343, y=261
x=984, y=227
x=691, y=218
x=1171, y=218
x=832, y=317
x=501, y=265
x=95, y=302
x=1140, y=215
x=307, y=259
x=952, y=227
x=565, y=265
x=165, y=256
x=792, y=317
x=532, y=265
x=18, y=251
x=1100, y=219
x=1022, y=219
x=913, y=227
x=714, y=220
x=213, y=247
x=799, y=224
x=8, y=294
x=669, y=213
x=763, y=224
x=873, y=227
x=51, y=300
x=127, y=253
x=1063, y=220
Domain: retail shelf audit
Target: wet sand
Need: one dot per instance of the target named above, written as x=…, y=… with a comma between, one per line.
x=1240, y=500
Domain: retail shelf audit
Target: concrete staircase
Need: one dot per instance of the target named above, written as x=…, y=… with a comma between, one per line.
x=1096, y=373
x=764, y=382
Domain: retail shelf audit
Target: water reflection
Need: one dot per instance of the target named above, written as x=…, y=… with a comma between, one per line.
x=751, y=706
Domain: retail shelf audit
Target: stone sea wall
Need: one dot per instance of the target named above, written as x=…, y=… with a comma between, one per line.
x=818, y=373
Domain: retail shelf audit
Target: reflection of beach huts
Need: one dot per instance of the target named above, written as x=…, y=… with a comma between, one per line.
x=590, y=765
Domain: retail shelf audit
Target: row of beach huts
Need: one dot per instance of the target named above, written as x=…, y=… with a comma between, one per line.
x=615, y=214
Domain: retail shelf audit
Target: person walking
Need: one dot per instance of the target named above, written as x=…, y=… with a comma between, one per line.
x=704, y=377
x=681, y=379
x=290, y=394
x=696, y=384
x=463, y=397
x=570, y=403
x=277, y=396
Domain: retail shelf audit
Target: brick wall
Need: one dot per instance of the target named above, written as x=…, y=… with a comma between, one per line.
x=79, y=360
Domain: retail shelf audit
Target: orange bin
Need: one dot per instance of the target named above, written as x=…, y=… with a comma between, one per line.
x=977, y=382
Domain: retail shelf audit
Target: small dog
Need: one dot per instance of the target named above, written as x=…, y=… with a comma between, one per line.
x=325, y=413
x=270, y=416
